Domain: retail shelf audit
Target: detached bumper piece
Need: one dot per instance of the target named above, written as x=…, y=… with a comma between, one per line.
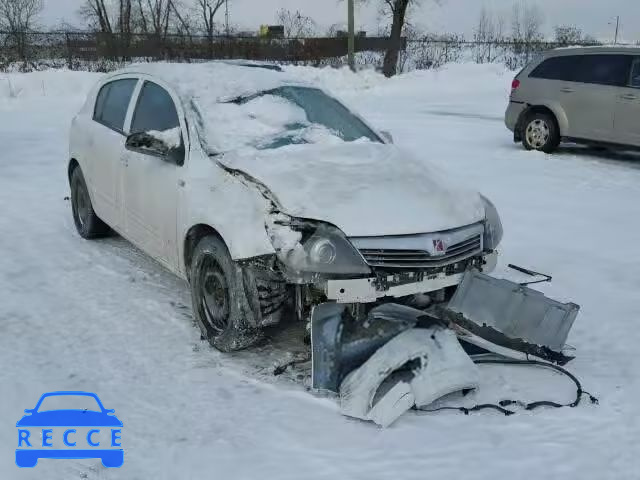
x=413, y=369
x=508, y=319
x=399, y=357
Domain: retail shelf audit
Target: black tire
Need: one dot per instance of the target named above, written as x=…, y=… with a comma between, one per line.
x=219, y=298
x=87, y=222
x=540, y=132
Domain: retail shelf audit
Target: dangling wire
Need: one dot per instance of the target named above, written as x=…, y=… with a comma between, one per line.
x=527, y=406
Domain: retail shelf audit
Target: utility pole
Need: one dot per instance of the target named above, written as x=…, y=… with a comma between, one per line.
x=615, y=41
x=226, y=16
x=352, y=39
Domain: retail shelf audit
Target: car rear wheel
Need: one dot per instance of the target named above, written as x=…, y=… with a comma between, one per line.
x=87, y=222
x=219, y=299
x=540, y=132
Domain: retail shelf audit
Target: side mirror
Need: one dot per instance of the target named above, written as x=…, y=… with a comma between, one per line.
x=386, y=135
x=158, y=144
x=28, y=410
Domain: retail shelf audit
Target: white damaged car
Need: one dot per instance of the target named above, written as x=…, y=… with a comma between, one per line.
x=268, y=196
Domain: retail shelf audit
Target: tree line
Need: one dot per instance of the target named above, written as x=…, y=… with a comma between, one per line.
x=495, y=38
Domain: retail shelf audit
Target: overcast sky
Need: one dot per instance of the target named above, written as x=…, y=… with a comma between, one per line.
x=457, y=16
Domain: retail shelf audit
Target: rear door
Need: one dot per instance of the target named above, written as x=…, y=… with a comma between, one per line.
x=149, y=183
x=592, y=102
x=106, y=139
x=550, y=83
x=627, y=115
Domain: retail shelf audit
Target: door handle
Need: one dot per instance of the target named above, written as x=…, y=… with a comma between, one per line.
x=567, y=90
x=629, y=96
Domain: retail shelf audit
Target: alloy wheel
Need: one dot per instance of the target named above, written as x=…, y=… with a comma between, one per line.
x=538, y=133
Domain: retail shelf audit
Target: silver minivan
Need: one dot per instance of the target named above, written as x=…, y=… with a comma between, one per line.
x=582, y=95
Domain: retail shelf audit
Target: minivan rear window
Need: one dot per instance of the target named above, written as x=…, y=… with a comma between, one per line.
x=601, y=69
x=557, y=68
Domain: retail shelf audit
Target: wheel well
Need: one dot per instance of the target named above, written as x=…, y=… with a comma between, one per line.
x=73, y=164
x=540, y=109
x=195, y=234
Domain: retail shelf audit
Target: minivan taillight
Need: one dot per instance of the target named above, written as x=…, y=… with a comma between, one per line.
x=515, y=84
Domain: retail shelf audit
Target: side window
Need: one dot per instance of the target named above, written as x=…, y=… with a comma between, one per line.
x=604, y=69
x=113, y=102
x=557, y=68
x=635, y=74
x=155, y=110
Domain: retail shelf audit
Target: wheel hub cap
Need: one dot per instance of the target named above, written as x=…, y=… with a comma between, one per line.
x=538, y=133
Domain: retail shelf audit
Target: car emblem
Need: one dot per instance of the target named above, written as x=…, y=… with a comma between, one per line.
x=439, y=247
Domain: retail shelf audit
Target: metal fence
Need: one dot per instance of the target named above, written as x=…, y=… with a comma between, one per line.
x=433, y=52
x=79, y=50
x=102, y=52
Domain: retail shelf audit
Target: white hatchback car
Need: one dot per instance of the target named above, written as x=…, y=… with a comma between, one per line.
x=268, y=195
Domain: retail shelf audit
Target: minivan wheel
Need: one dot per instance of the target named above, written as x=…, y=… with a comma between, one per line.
x=219, y=300
x=88, y=224
x=540, y=133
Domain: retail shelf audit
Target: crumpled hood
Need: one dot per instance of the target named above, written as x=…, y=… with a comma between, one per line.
x=363, y=188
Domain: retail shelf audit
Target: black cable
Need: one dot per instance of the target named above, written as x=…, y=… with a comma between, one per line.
x=527, y=406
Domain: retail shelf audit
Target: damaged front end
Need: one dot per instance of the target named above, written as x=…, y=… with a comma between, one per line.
x=363, y=272
x=401, y=357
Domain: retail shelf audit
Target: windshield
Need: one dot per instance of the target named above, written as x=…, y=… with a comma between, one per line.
x=289, y=115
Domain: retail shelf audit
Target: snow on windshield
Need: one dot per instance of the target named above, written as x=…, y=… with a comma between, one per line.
x=284, y=116
x=232, y=125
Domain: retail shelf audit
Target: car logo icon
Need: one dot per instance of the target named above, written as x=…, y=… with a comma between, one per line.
x=69, y=433
x=439, y=247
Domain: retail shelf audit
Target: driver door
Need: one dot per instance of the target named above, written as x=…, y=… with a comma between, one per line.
x=150, y=182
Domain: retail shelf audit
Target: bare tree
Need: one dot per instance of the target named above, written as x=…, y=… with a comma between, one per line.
x=159, y=17
x=526, y=33
x=17, y=17
x=567, y=35
x=488, y=35
x=484, y=33
x=527, y=23
x=295, y=24
x=397, y=11
x=154, y=16
x=97, y=14
x=207, y=10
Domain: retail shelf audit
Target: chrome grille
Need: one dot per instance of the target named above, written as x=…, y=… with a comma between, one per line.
x=421, y=259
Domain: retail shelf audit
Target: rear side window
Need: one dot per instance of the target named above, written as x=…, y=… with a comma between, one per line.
x=557, y=68
x=113, y=102
x=604, y=69
x=155, y=110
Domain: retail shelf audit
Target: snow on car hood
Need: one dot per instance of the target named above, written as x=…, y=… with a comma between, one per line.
x=363, y=188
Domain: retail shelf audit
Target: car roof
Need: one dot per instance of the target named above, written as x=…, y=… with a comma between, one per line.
x=610, y=49
x=216, y=80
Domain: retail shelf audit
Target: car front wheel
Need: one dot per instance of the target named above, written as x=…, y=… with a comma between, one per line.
x=87, y=222
x=540, y=133
x=219, y=298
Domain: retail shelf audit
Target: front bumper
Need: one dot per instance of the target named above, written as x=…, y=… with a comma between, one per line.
x=369, y=290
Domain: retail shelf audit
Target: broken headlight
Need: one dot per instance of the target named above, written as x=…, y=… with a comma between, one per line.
x=492, y=226
x=314, y=247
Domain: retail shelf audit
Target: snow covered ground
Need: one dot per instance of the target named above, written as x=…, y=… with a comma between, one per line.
x=99, y=316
